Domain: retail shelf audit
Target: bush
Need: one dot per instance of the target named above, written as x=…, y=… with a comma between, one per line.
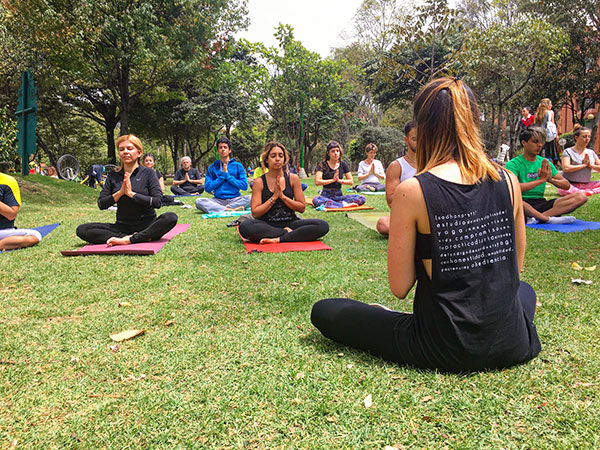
x=8, y=136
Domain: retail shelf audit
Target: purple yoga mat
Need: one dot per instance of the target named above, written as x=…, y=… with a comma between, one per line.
x=142, y=248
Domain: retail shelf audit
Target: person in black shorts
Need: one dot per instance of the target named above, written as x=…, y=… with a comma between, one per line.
x=276, y=197
x=457, y=229
x=135, y=190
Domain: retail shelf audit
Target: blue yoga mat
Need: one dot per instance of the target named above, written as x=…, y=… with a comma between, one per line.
x=47, y=229
x=44, y=231
x=578, y=225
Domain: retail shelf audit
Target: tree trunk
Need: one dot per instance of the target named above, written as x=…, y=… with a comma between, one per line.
x=110, y=143
x=124, y=88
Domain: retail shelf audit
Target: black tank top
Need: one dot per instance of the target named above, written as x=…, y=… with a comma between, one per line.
x=279, y=212
x=468, y=315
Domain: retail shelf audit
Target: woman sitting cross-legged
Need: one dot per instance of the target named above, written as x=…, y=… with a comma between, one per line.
x=276, y=197
x=578, y=163
x=457, y=229
x=331, y=174
x=135, y=190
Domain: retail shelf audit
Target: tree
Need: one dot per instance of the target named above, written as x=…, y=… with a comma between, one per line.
x=499, y=64
x=301, y=92
x=8, y=136
x=111, y=53
x=426, y=46
x=576, y=77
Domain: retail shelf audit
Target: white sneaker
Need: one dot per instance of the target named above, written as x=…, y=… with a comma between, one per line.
x=563, y=219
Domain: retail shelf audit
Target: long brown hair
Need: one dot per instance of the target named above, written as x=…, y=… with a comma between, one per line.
x=540, y=112
x=447, y=120
x=265, y=154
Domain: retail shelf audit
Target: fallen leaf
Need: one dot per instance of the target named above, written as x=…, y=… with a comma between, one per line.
x=8, y=362
x=340, y=354
x=538, y=304
x=426, y=418
x=13, y=444
x=350, y=366
x=580, y=281
x=125, y=335
x=427, y=399
x=299, y=375
x=575, y=266
x=331, y=419
x=579, y=383
x=590, y=269
x=168, y=323
x=114, y=348
x=295, y=284
x=368, y=401
x=124, y=304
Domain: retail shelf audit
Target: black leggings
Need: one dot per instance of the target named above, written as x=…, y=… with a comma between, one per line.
x=375, y=329
x=303, y=230
x=99, y=233
x=187, y=190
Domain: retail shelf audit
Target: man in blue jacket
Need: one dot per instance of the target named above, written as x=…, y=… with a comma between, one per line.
x=225, y=179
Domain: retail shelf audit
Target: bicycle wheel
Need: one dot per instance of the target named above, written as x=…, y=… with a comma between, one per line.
x=67, y=167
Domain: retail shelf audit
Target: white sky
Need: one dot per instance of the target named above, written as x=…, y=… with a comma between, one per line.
x=317, y=23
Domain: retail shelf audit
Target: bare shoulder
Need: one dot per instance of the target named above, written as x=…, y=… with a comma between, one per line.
x=409, y=191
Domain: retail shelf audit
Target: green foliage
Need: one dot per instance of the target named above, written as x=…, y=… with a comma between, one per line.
x=303, y=93
x=426, y=46
x=8, y=135
x=389, y=141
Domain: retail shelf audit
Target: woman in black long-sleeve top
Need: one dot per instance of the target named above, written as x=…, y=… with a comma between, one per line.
x=136, y=192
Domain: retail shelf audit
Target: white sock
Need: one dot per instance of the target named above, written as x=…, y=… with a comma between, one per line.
x=563, y=219
x=531, y=221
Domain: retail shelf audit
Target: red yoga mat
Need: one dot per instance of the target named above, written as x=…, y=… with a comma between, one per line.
x=141, y=248
x=283, y=247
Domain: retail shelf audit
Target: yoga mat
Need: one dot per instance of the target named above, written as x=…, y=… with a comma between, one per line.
x=141, y=248
x=222, y=214
x=283, y=247
x=367, y=192
x=368, y=219
x=346, y=208
x=47, y=229
x=578, y=225
x=44, y=231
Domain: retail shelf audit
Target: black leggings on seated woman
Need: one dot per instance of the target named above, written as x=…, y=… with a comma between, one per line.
x=378, y=330
x=153, y=230
x=303, y=230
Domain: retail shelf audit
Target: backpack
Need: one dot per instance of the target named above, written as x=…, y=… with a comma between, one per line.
x=550, y=131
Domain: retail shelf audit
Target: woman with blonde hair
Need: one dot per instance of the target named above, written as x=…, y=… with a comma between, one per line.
x=457, y=229
x=544, y=116
x=135, y=190
x=276, y=198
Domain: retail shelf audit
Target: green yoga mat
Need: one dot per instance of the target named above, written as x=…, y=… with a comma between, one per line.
x=368, y=219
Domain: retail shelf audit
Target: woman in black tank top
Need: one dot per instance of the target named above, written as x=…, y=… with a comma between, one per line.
x=457, y=229
x=276, y=197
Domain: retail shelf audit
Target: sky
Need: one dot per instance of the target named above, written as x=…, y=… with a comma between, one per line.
x=317, y=23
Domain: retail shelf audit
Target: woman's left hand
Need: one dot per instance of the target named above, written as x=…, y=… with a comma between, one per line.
x=280, y=185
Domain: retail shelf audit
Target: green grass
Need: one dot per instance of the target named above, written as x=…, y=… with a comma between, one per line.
x=242, y=367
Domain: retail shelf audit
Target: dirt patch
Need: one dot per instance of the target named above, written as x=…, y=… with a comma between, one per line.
x=32, y=188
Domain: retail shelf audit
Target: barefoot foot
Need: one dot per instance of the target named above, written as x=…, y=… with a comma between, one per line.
x=270, y=241
x=118, y=241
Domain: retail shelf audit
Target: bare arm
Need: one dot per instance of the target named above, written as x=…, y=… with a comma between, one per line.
x=520, y=235
x=568, y=167
x=407, y=204
x=393, y=174
x=298, y=203
x=560, y=182
x=10, y=212
x=347, y=180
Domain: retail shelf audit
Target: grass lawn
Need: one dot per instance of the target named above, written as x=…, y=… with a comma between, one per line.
x=230, y=360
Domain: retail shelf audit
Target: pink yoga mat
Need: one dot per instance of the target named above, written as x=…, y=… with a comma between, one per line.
x=142, y=248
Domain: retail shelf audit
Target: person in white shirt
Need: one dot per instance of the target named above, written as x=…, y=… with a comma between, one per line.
x=370, y=172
